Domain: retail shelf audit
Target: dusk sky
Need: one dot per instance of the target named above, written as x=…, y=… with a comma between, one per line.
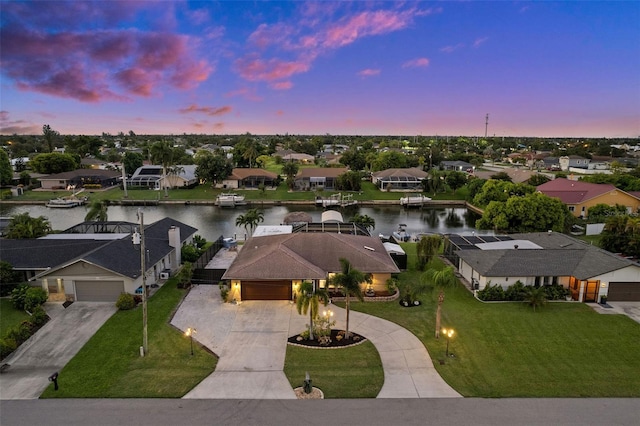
x=543, y=69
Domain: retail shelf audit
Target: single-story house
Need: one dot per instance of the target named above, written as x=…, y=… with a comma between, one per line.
x=579, y=195
x=402, y=179
x=517, y=175
x=79, y=178
x=545, y=258
x=318, y=178
x=150, y=176
x=272, y=267
x=296, y=157
x=97, y=261
x=249, y=178
x=458, y=166
x=575, y=161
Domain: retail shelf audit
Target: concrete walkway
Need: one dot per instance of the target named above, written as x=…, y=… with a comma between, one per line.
x=250, y=340
x=52, y=347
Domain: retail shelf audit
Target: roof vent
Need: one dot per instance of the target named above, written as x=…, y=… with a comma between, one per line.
x=515, y=246
x=369, y=248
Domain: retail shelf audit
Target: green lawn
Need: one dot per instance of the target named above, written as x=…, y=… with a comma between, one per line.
x=110, y=366
x=10, y=316
x=508, y=350
x=353, y=372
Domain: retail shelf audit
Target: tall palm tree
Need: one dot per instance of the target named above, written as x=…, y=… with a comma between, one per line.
x=162, y=153
x=349, y=280
x=290, y=170
x=442, y=278
x=97, y=211
x=251, y=152
x=308, y=300
x=250, y=219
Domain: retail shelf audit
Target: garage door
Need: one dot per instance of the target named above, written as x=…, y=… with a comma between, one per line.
x=98, y=291
x=624, y=292
x=265, y=290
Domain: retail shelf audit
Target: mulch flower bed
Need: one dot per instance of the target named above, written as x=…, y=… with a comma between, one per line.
x=335, y=343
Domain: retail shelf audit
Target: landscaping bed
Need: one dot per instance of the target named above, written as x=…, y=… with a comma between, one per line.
x=337, y=340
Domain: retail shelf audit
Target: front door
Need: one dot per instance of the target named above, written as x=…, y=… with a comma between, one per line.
x=591, y=292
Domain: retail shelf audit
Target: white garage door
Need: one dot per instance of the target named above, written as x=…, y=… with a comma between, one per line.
x=98, y=291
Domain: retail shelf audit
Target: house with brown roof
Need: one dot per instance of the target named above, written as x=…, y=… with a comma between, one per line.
x=579, y=195
x=401, y=179
x=545, y=258
x=272, y=267
x=250, y=178
x=517, y=175
x=318, y=178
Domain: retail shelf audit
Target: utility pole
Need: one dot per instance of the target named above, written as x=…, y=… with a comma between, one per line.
x=486, y=125
x=138, y=239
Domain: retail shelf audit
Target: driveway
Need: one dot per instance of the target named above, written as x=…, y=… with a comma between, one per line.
x=630, y=309
x=51, y=348
x=250, y=340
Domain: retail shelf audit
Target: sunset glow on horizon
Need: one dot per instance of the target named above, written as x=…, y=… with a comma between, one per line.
x=546, y=69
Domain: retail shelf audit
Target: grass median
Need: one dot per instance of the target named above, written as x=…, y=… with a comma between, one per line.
x=110, y=366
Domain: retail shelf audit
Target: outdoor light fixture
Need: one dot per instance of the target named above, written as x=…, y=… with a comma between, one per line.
x=328, y=313
x=448, y=332
x=189, y=333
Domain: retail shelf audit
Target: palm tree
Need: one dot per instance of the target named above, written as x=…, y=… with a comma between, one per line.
x=97, y=211
x=308, y=299
x=366, y=221
x=250, y=219
x=162, y=153
x=50, y=136
x=290, y=170
x=251, y=152
x=537, y=297
x=442, y=278
x=349, y=280
x=24, y=226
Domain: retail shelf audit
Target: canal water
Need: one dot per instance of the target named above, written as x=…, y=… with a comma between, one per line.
x=212, y=221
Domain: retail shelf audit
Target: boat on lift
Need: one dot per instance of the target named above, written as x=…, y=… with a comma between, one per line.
x=230, y=199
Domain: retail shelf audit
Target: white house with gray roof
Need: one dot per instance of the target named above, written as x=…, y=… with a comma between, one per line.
x=547, y=258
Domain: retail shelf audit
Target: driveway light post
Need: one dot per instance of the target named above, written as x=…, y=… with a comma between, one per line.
x=448, y=332
x=189, y=333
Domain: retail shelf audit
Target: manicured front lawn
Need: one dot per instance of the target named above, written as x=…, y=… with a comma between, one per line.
x=508, y=350
x=353, y=372
x=110, y=366
x=10, y=316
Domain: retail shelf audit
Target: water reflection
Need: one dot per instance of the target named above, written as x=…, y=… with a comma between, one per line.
x=212, y=221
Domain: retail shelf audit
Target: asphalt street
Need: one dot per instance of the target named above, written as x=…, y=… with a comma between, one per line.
x=370, y=412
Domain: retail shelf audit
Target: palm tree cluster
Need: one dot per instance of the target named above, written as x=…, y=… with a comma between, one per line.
x=308, y=299
x=24, y=226
x=250, y=219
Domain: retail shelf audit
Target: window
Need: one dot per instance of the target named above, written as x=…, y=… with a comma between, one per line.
x=572, y=208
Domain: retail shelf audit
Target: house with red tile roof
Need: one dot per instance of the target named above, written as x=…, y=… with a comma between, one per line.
x=579, y=196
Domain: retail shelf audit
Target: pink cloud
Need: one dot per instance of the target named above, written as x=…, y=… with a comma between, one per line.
x=95, y=65
x=20, y=127
x=369, y=72
x=480, y=41
x=366, y=24
x=218, y=126
x=281, y=85
x=255, y=69
x=279, y=112
x=212, y=111
x=451, y=48
x=416, y=63
x=245, y=92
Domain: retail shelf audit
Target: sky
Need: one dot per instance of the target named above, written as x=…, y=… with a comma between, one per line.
x=545, y=69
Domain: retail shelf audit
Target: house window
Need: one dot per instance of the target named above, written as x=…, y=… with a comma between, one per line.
x=537, y=282
x=572, y=208
x=554, y=280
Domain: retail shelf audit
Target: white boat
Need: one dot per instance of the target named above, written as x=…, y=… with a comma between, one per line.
x=418, y=200
x=66, y=202
x=401, y=235
x=230, y=200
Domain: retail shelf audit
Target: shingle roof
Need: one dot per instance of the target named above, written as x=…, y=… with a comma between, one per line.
x=403, y=172
x=81, y=173
x=321, y=172
x=119, y=256
x=308, y=256
x=243, y=173
x=574, y=191
x=561, y=255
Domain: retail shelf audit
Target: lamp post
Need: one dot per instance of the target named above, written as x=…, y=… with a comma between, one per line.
x=189, y=333
x=448, y=332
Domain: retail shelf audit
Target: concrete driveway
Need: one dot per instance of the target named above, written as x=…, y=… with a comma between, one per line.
x=51, y=348
x=630, y=309
x=250, y=340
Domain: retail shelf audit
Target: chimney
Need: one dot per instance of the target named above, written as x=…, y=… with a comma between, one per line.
x=175, y=242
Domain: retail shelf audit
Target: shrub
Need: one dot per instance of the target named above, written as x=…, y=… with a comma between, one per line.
x=516, y=292
x=137, y=299
x=7, y=345
x=224, y=291
x=190, y=253
x=35, y=296
x=39, y=316
x=125, y=302
x=491, y=293
x=25, y=330
x=392, y=285
x=18, y=296
x=556, y=292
